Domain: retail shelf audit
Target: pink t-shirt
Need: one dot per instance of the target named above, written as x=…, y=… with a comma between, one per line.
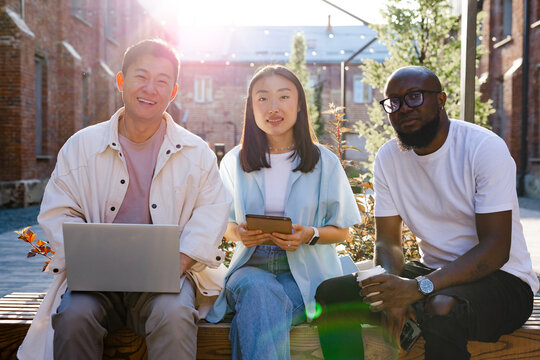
x=141, y=161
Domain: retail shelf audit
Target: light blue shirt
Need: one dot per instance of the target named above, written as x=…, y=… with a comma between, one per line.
x=319, y=198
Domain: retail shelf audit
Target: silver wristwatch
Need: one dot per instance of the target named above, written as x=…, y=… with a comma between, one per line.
x=425, y=286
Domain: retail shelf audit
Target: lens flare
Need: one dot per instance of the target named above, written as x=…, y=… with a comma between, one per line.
x=316, y=313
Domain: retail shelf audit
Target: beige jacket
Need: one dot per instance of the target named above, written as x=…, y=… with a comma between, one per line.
x=86, y=186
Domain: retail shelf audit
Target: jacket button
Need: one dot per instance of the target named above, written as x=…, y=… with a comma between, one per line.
x=168, y=152
x=205, y=292
x=154, y=206
x=178, y=146
x=113, y=144
x=122, y=181
x=218, y=258
x=120, y=154
x=113, y=208
x=55, y=270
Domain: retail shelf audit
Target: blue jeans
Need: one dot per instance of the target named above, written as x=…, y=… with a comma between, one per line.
x=267, y=303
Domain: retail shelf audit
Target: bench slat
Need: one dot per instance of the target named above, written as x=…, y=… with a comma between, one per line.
x=24, y=295
x=18, y=309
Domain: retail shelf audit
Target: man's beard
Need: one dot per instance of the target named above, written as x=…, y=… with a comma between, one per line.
x=420, y=138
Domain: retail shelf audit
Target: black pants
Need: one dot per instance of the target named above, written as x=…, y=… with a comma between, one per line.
x=493, y=306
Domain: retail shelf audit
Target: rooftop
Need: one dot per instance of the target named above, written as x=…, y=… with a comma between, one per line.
x=273, y=44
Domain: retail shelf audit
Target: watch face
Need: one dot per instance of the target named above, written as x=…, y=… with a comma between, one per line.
x=314, y=240
x=426, y=286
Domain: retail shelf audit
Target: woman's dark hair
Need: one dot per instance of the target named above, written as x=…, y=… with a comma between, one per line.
x=156, y=47
x=254, y=145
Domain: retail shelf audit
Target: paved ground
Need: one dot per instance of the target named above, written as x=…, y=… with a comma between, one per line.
x=18, y=273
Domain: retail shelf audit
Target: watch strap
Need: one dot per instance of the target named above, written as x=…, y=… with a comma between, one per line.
x=315, y=236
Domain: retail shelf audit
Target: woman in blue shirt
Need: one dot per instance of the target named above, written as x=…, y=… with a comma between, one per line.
x=279, y=169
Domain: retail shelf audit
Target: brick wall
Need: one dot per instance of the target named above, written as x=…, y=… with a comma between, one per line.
x=81, y=50
x=504, y=67
x=79, y=60
x=221, y=120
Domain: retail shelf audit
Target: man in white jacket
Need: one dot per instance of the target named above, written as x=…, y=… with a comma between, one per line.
x=138, y=167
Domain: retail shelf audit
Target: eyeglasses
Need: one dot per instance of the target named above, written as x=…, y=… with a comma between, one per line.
x=412, y=99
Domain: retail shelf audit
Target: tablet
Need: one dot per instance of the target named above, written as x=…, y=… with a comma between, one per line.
x=269, y=224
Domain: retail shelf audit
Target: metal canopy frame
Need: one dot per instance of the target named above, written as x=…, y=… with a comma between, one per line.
x=468, y=57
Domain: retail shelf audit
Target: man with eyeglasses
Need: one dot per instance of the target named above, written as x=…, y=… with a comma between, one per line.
x=453, y=184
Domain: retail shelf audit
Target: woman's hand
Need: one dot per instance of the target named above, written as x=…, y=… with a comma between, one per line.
x=291, y=242
x=250, y=238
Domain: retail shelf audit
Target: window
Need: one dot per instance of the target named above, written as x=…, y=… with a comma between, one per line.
x=313, y=81
x=500, y=109
x=362, y=91
x=203, y=89
x=21, y=11
x=40, y=73
x=507, y=18
x=537, y=145
x=111, y=16
x=85, y=95
x=77, y=8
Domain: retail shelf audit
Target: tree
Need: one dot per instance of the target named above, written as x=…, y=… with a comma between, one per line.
x=297, y=63
x=418, y=32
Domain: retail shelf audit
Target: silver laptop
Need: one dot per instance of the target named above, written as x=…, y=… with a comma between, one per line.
x=122, y=257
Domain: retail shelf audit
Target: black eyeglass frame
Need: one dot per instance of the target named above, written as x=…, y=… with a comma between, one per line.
x=402, y=99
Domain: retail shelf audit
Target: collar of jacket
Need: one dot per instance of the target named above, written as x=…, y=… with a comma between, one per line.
x=175, y=135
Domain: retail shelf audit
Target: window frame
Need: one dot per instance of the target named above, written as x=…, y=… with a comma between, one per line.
x=359, y=93
x=206, y=94
x=507, y=18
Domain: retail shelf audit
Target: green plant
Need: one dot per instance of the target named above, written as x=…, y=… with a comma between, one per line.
x=360, y=243
x=297, y=64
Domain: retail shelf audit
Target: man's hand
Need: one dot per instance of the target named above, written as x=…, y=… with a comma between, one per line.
x=185, y=263
x=291, y=242
x=393, y=320
x=393, y=291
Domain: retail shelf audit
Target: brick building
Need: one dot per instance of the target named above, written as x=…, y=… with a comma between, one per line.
x=59, y=59
x=217, y=65
x=511, y=72
x=58, y=64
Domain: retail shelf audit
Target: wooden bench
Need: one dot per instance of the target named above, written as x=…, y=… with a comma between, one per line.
x=18, y=309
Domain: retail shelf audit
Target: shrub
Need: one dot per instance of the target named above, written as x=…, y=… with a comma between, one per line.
x=360, y=243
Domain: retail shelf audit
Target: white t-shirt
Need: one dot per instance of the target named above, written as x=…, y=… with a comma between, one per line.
x=275, y=183
x=437, y=195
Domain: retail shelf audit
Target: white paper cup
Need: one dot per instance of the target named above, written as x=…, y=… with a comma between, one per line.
x=364, y=274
